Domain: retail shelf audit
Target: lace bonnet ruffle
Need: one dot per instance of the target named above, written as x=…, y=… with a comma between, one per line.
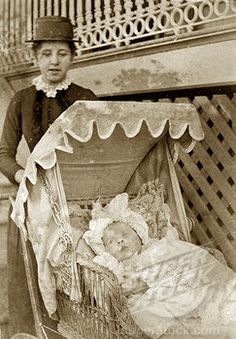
x=116, y=210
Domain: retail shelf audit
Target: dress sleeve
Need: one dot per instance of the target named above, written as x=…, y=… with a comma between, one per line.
x=92, y=96
x=11, y=136
x=86, y=94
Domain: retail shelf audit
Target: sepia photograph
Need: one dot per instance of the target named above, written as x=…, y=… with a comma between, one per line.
x=117, y=169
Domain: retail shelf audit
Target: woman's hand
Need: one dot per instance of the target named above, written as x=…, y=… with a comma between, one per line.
x=19, y=175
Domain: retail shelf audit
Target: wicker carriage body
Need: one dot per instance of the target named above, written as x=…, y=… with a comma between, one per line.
x=103, y=311
x=122, y=146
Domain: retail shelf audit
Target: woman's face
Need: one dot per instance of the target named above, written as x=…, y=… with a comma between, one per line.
x=54, y=59
x=121, y=241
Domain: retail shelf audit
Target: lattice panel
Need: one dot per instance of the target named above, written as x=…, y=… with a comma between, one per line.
x=208, y=175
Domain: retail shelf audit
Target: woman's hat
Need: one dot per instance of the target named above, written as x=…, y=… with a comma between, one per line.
x=53, y=28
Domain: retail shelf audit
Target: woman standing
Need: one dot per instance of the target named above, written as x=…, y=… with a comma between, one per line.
x=30, y=113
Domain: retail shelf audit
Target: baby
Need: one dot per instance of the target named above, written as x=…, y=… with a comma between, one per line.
x=165, y=279
x=121, y=241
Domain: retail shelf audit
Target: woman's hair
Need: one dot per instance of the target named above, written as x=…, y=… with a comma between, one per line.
x=36, y=45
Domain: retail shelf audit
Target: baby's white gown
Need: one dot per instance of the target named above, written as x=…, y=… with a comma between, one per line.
x=184, y=281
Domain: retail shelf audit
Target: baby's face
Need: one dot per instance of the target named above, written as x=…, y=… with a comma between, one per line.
x=121, y=241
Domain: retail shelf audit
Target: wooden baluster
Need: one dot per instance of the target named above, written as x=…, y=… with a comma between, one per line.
x=22, y=10
x=139, y=11
x=128, y=10
x=107, y=11
x=164, y=4
x=6, y=23
x=88, y=35
x=56, y=9
x=79, y=18
x=17, y=22
x=35, y=9
x=98, y=13
x=151, y=7
x=88, y=13
x=49, y=7
x=19, y=34
x=12, y=23
x=72, y=11
x=41, y=8
x=128, y=25
x=29, y=28
x=1, y=15
x=5, y=26
x=22, y=28
x=1, y=28
x=29, y=20
x=22, y=6
x=117, y=10
x=64, y=8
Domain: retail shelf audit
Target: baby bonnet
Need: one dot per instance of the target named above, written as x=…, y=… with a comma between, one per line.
x=116, y=211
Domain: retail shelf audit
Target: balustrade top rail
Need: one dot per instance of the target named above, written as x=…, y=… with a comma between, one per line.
x=102, y=25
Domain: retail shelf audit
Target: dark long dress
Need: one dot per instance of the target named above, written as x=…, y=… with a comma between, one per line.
x=30, y=113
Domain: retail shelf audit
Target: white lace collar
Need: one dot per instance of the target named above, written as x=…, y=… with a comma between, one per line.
x=50, y=90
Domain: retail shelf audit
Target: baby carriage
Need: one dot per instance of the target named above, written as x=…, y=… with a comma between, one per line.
x=94, y=150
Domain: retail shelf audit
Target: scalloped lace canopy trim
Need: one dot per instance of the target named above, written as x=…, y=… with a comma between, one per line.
x=50, y=90
x=80, y=118
x=181, y=120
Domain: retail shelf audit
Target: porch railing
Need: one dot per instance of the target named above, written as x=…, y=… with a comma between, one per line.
x=102, y=25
